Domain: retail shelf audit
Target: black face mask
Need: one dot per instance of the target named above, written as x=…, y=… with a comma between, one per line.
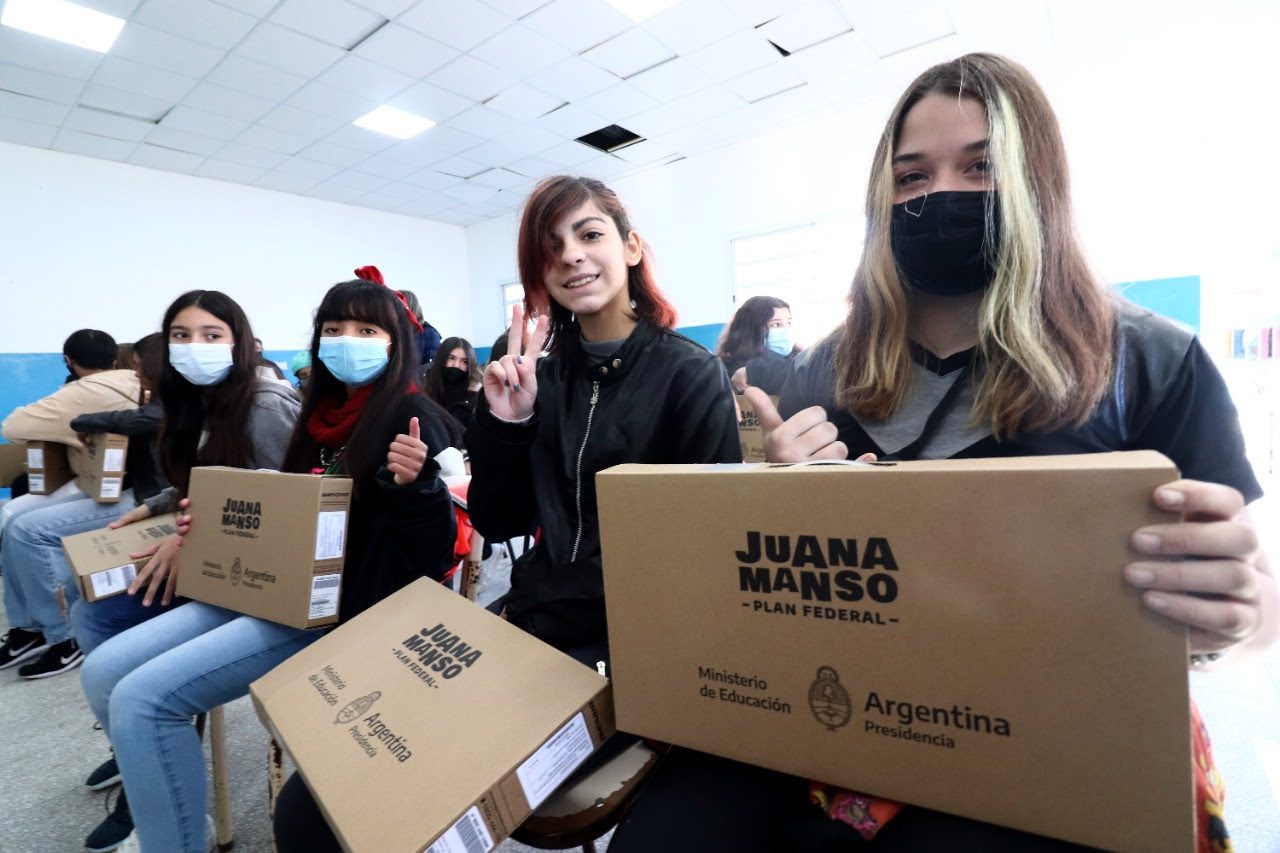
x=455, y=377
x=937, y=240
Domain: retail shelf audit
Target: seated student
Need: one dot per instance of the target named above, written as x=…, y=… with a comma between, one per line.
x=36, y=622
x=364, y=418
x=757, y=348
x=976, y=329
x=453, y=380
x=216, y=411
x=300, y=367
x=267, y=368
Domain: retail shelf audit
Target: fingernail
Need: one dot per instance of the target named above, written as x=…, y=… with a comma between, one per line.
x=1146, y=542
x=507, y=382
x=1140, y=575
x=519, y=359
x=1156, y=602
x=1170, y=497
x=517, y=387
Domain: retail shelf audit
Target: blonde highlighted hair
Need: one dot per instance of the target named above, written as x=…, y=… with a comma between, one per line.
x=1045, y=326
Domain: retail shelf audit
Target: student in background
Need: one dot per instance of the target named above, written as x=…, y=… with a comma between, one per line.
x=124, y=357
x=217, y=411
x=300, y=367
x=265, y=365
x=428, y=337
x=757, y=346
x=453, y=379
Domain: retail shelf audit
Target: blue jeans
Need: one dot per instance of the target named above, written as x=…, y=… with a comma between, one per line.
x=144, y=686
x=95, y=622
x=17, y=506
x=35, y=566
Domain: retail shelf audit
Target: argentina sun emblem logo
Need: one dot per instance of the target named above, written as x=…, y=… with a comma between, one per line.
x=828, y=700
x=357, y=708
x=236, y=572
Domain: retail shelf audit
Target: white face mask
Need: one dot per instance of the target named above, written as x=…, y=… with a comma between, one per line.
x=201, y=364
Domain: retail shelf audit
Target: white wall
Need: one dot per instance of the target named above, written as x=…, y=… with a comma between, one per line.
x=87, y=242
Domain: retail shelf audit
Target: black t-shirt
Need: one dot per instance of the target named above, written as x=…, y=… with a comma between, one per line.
x=1165, y=395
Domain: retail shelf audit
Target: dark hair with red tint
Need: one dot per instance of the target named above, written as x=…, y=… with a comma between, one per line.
x=557, y=197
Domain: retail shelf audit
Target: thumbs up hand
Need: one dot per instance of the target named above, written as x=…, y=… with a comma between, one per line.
x=805, y=436
x=407, y=455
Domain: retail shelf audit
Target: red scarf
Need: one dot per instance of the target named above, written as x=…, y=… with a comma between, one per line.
x=333, y=420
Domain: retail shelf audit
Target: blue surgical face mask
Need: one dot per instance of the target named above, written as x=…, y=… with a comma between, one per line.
x=201, y=364
x=354, y=361
x=780, y=341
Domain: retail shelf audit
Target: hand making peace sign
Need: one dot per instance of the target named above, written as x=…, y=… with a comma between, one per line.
x=511, y=384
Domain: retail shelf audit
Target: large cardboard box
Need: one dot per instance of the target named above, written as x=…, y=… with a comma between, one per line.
x=100, y=558
x=956, y=635
x=429, y=723
x=266, y=544
x=13, y=461
x=47, y=467
x=750, y=433
x=102, y=471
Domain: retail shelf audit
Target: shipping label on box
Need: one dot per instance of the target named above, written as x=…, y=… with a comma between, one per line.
x=266, y=544
x=47, y=467
x=429, y=700
x=102, y=474
x=750, y=435
x=956, y=635
x=13, y=461
x=100, y=558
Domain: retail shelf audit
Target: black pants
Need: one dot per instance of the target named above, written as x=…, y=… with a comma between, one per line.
x=696, y=802
x=299, y=825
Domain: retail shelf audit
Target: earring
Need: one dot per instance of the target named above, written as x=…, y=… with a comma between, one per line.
x=633, y=305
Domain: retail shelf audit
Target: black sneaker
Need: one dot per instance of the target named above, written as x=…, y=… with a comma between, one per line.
x=58, y=658
x=113, y=830
x=107, y=774
x=20, y=644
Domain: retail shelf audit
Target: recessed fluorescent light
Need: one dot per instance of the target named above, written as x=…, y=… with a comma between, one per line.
x=638, y=10
x=393, y=122
x=66, y=22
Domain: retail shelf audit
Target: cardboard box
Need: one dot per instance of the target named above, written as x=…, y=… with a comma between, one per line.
x=429, y=723
x=13, y=461
x=100, y=558
x=957, y=634
x=750, y=434
x=102, y=471
x=266, y=544
x=47, y=467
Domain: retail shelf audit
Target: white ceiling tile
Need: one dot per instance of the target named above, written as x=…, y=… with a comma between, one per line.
x=129, y=103
x=1016, y=23
x=535, y=168
x=658, y=121
x=401, y=192
x=305, y=168
x=379, y=201
x=483, y=122
x=457, y=216
x=571, y=121
x=741, y=123
x=515, y=8
x=753, y=13
x=405, y=50
x=365, y=78
x=246, y=75
x=145, y=80
x=644, y=153
x=904, y=32
x=198, y=20
x=431, y=102
x=469, y=193
x=285, y=182
x=805, y=25
x=288, y=51
x=388, y=167
x=154, y=157
x=334, y=155
x=181, y=140
x=430, y=179
x=566, y=155
x=689, y=140
x=670, y=80
x=492, y=153
x=499, y=179
x=300, y=122
x=524, y=102
x=335, y=22
x=166, y=51
x=258, y=8
x=841, y=55
x=477, y=80
x=75, y=142
x=573, y=79
x=203, y=123
x=763, y=82
x=360, y=139
x=223, y=170
x=33, y=109
x=521, y=51
x=260, y=136
x=428, y=206
x=39, y=84
x=694, y=24
x=735, y=56
x=26, y=132
x=527, y=140
x=578, y=24
x=359, y=180
x=709, y=103
x=604, y=168
x=791, y=104
x=460, y=167
x=326, y=100
x=107, y=124
x=118, y=8
x=461, y=24
x=42, y=54
x=434, y=145
x=630, y=53
x=222, y=101
x=248, y=155
x=334, y=192
x=619, y=101
x=386, y=8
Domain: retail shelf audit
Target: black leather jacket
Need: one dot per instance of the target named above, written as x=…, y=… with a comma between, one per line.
x=661, y=398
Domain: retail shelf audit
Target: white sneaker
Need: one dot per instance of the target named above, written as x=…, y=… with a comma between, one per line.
x=133, y=845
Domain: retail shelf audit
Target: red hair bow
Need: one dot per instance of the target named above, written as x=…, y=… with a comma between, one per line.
x=373, y=274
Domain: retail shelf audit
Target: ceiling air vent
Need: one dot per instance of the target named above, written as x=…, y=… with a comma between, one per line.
x=610, y=139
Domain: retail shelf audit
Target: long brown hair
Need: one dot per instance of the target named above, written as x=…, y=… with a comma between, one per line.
x=1045, y=326
x=550, y=200
x=748, y=332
